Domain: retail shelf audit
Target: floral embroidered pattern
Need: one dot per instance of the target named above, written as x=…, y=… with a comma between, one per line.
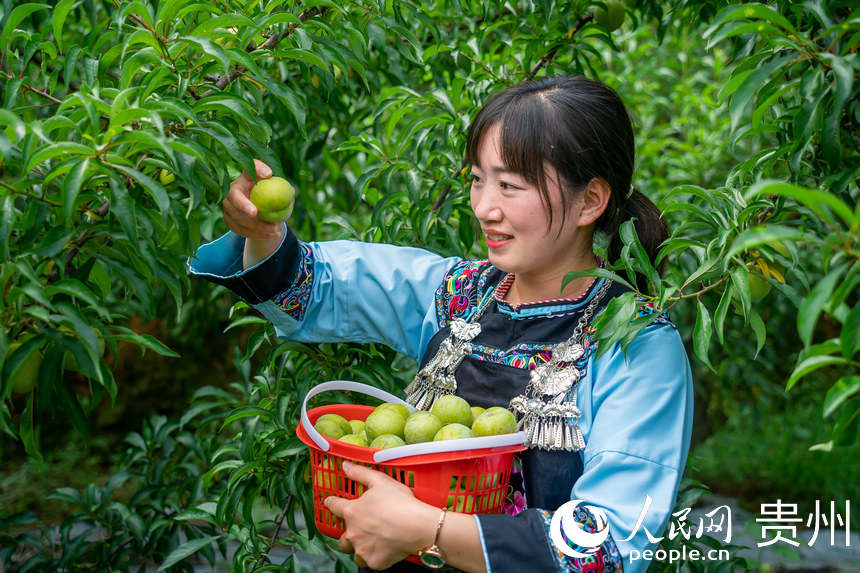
x=458, y=295
x=294, y=300
x=523, y=355
x=515, y=501
x=607, y=559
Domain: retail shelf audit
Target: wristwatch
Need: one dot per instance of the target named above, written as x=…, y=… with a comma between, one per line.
x=433, y=556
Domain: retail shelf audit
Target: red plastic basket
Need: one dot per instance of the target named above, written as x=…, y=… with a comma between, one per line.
x=472, y=476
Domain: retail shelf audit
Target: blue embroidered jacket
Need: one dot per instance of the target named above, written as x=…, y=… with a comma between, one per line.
x=636, y=407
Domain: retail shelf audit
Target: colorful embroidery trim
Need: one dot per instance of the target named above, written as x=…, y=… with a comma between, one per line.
x=294, y=300
x=458, y=295
x=607, y=559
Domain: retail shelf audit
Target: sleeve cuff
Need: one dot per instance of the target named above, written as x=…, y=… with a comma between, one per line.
x=483, y=545
x=513, y=544
x=221, y=262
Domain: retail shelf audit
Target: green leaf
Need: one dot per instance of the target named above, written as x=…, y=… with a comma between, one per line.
x=741, y=282
x=58, y=18
x=752, y=11
x=595, y=272
x=847, y=427
x=305, y=56
x=763, y=235
x=154, y=188
x=245, y=320
x=850, y=337
x=71, y=187
x=702, y=334
x=760, y=331
x=815, y=302
x=722, y=311
x=751, y=85
x=16, y=16
x=812, y=198
x=842, y=390
x=813, y=363
x=75, y=288
x=246, y=412
x=187, y=549
x=145, y=340
x=10, y=119
x=61, y=149
x=210, y=48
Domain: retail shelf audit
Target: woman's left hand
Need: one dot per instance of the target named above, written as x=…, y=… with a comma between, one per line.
x=386, y=523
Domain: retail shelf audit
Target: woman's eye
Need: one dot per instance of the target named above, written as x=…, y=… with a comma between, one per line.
x=506, y=186
x=475, y=178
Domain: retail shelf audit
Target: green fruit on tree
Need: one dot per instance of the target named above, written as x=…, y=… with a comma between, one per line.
x=273, y=198
x=384, y=421
x=356, y=426
x=451, y=409
x=453, y=432
x=612, y=16
x=495, y=421
x=354, y=439
x=329, y=428
x=759, y=287
x=345, y=426
x=401, y=409
x=24, y=377
x=166, y=177
x=386, y=441
x=421, y=427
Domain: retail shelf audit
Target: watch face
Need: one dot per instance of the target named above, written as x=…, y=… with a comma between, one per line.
x=432, y=558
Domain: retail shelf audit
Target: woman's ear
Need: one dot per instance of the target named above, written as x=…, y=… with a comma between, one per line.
x=595, y=200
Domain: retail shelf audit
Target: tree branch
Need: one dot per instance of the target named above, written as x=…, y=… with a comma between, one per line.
x=272, y=41
x=278, y=523
x=547, y=58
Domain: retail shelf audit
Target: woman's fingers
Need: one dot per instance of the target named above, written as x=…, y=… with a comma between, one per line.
x=240, y=214
x=359, y=561
x=263, y=170
x=241, y=223
x=345, y=545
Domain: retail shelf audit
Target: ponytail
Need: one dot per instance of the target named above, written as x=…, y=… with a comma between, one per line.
x=651, y=228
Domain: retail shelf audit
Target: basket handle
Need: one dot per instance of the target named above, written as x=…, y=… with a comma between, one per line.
x=342, y=385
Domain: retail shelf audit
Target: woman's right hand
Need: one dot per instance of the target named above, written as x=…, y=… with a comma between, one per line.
x=241, y=215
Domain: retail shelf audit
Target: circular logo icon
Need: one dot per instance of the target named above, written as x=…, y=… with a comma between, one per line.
x=568, y=534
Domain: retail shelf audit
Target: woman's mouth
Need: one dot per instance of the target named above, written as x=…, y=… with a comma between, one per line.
x=497, y=241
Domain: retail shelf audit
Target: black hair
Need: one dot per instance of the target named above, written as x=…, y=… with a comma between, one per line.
x=581, y=127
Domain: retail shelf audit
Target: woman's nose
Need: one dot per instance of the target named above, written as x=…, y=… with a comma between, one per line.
x=485, y=206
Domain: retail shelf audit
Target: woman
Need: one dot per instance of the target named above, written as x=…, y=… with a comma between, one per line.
x=552, y=164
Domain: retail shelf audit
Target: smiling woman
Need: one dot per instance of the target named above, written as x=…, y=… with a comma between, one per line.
x=552, y=163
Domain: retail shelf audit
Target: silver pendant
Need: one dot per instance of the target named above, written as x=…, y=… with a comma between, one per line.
x=465, y=330
x=567, y=352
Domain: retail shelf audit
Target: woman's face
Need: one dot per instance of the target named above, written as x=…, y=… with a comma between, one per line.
x=515, y=222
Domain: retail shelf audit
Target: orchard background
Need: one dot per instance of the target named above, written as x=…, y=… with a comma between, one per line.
x=148, y=419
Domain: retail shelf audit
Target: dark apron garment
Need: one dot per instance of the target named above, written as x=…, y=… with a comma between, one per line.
x=549, y=476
